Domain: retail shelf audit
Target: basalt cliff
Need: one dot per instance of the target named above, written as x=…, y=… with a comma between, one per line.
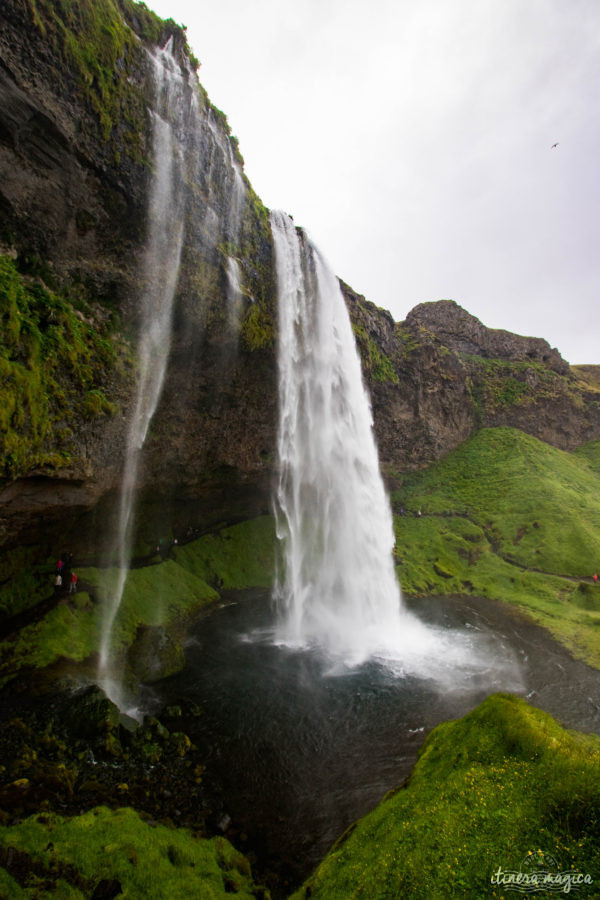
x=76, y=108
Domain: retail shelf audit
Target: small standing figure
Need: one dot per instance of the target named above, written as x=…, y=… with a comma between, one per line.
x=596, y=577
x=59, y=566
x=58, y=582
x=73, y=584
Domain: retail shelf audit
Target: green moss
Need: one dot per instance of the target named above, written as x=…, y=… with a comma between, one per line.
x=258, y=326
x=167, y=594
x=154, y=862
x=64, y=632
x=508, y=517
x=242, y=556
x=9, y=887
x=498, y=384
x=54, y=365
x=375, y=363
x=257, y=329
x=95, y=404
x=501, y=783
x=94, y=42
x=97, y=41
x=591, y=453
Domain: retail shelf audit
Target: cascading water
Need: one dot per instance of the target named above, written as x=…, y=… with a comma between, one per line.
x=339, y=589
x=159, y=279
x=195, y=173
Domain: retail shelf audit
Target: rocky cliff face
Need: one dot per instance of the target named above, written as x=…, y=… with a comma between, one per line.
x=76, y=111
x=76, y=108
x=440, y=374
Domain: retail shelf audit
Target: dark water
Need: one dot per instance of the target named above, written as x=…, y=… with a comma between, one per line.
x=295, y=754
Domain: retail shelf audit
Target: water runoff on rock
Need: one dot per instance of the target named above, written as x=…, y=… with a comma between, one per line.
x=159, y=281
x=337, y=589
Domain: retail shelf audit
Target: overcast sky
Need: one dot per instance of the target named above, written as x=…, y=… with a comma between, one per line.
x=412, y=139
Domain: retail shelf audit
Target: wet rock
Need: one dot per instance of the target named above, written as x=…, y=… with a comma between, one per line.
x=91, y=713
x=128, y=723
x=155, y=654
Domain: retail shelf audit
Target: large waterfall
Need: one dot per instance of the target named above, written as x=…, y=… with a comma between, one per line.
x=338, y=589
x=159, y=282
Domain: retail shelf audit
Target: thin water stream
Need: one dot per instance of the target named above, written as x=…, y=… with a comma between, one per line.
x=296, y=751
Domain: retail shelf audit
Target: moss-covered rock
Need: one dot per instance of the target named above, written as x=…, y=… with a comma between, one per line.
x=155, y=654
x=83, y=856
x=488, y=790
x=91, y=713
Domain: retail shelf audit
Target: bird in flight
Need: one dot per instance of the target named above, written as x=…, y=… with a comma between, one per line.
x=554, y=145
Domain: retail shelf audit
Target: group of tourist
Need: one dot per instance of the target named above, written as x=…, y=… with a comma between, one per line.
x=65, y=574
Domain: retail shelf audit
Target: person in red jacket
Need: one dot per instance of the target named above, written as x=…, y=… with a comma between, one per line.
x=73, y=585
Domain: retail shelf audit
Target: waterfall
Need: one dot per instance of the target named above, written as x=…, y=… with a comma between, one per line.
x=338, y=589
x=159, y=282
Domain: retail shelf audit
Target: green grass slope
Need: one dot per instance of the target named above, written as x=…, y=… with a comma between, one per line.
x=504, y=782
x=509, y=517
x=50, y=856
x=168, y=593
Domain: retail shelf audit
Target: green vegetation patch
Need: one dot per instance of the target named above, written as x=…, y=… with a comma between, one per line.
x=60, y=857
x=540, y=505
x=257, y=327
x=375, y=362
x=100, y=50
x=55, y=365
x=239, y=557
x=489, y=790
x=165, y=594
x=509, y=517
x=498, y=384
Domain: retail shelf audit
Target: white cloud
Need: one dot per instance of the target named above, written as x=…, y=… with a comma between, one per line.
x=412, y=140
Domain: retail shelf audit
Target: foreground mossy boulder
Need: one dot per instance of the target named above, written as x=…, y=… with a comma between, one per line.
x=109, y=853
x=504, y=782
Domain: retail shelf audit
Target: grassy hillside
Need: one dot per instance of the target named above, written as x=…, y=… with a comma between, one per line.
x=503, y=785
x=509, y=517
x=168, y=594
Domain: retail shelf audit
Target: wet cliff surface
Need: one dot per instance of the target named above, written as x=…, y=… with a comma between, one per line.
x=75, y=169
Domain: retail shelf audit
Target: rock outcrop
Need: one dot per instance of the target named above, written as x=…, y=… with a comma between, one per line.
x=440, y=374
